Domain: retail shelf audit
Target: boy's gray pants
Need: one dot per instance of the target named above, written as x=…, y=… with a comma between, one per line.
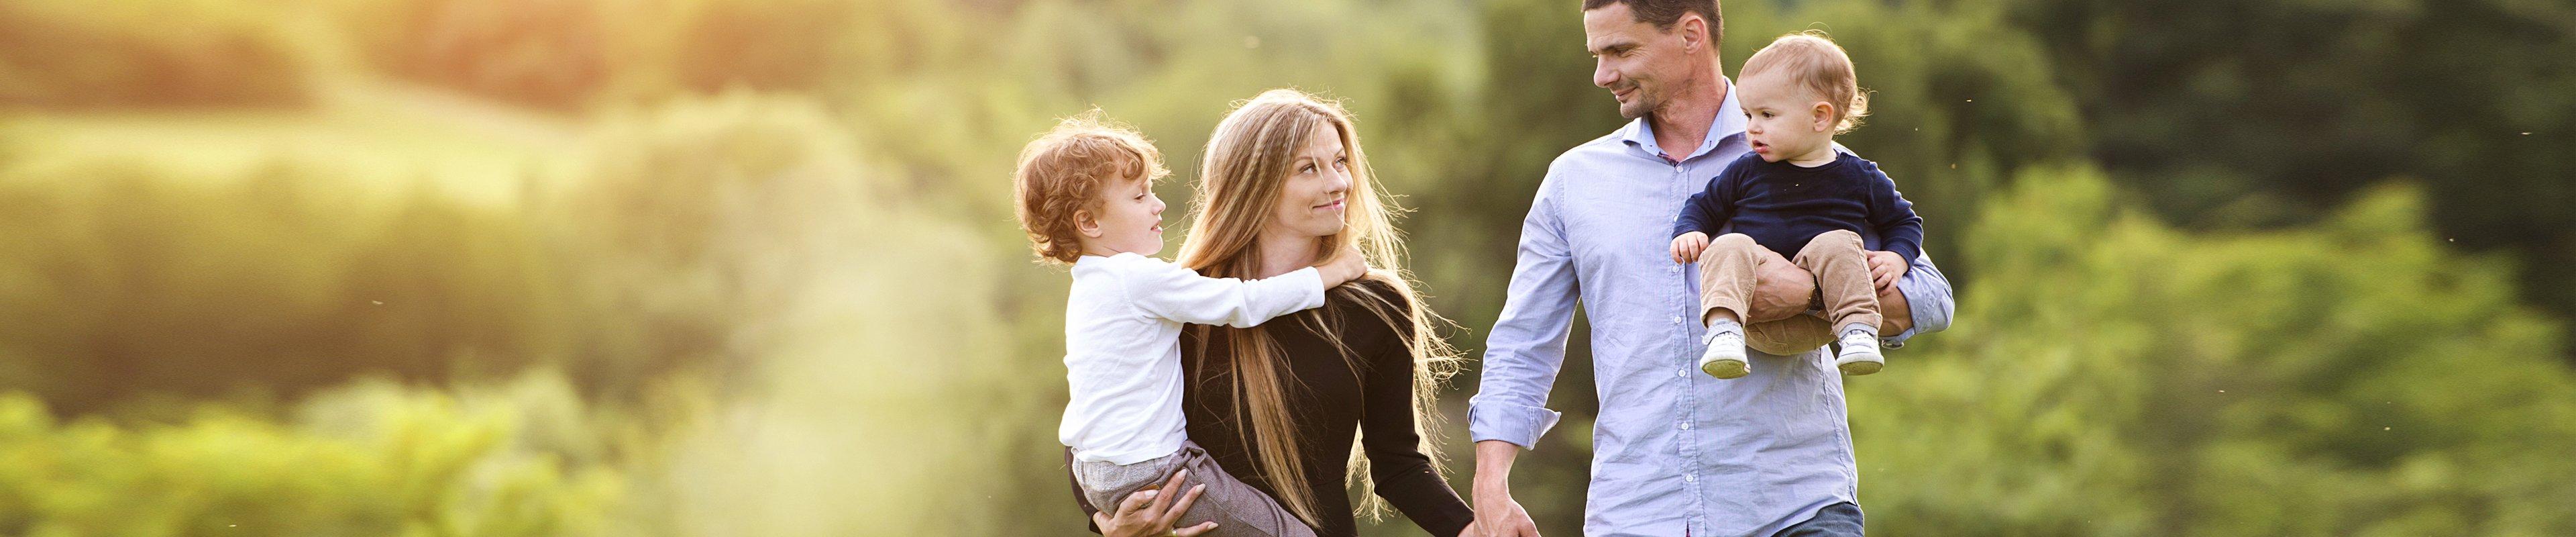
x=1238, y=509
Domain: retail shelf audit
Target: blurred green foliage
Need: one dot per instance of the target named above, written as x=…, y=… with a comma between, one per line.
x=2351, y=378
x=124, y=281
x=2236, y=114
x=370, y=459
x=744, y=267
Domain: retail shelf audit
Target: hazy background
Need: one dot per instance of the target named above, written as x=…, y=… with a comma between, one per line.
x=747, y=267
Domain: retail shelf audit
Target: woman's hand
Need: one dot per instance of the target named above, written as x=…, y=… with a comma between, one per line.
x=1151, y=513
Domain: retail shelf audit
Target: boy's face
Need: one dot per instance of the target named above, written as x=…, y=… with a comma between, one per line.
x=1127, y=219
x=1784, y=120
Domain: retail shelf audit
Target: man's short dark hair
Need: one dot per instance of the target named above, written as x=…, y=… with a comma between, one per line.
x=1664, y=13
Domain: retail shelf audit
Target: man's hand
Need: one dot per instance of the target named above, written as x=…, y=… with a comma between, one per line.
x=1885, y=268
x=1686, y=248
x=1780, y=289
x=1497, y=515
x=1346, y=264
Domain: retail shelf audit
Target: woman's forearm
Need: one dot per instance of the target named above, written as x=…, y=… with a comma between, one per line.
x=1402, y=473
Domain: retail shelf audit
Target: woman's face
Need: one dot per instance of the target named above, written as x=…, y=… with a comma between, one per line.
x=1311, y=203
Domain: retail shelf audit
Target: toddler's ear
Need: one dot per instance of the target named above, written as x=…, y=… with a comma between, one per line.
x=1824, y=116
x=1085, y=223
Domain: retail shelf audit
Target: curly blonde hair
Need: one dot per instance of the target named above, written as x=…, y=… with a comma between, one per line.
x=1062, y=171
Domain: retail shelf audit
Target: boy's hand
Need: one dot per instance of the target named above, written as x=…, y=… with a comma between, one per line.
x=1885, y=268
x=1686, y=248
x=1346, y=264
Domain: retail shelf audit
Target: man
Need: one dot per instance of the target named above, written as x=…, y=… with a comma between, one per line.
x=1675, y=452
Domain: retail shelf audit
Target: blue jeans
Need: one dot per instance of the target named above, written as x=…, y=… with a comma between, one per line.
x=1837, y=520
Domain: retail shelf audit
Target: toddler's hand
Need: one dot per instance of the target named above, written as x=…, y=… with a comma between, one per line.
x=1346, y=264
x=1686, y=248
x=1884, y=269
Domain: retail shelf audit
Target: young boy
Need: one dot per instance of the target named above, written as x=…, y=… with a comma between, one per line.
x=1086, y=198
x=1795, y=194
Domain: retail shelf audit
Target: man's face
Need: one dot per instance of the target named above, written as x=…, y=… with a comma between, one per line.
x=1640, y=65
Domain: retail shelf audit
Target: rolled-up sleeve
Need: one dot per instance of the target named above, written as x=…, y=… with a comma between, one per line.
x=1526, y=349
x=1927, y=295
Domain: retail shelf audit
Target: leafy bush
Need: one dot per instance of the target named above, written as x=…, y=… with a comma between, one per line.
x=383, y=461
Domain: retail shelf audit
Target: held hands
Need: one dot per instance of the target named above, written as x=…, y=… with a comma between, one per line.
x=1498, y=515
x=1507, y=519
x=1151, y=513
x=1884, y=269
x=1346, y=264
x=1686, y=248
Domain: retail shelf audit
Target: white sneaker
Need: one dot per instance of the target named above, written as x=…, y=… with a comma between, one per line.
x=1725, y=355
x=1859, y=354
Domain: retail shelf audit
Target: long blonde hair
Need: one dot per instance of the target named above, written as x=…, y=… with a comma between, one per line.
x=1245, y=170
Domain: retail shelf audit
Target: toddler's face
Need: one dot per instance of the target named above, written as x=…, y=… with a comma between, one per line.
x=1782, y=119
x=1129, y=218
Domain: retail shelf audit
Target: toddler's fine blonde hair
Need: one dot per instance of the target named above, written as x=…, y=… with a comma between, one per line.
x=1820, y=66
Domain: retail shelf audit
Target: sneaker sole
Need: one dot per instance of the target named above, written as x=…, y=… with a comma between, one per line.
x=1857, y=368
x=1726, y=369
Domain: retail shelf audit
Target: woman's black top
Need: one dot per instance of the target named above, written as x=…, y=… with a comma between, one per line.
x=1330, y=402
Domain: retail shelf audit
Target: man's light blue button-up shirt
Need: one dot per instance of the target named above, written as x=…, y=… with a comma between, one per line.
x=1673, y=450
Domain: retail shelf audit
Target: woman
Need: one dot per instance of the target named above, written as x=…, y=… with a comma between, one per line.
x=1280, y=405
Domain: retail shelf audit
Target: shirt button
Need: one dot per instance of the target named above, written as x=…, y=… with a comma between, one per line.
x=1677, y=319
x=1684, y=373
x=1688, y=478
x=1686, y=426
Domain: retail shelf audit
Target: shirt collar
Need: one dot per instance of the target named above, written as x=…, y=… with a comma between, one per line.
x=1730, y=122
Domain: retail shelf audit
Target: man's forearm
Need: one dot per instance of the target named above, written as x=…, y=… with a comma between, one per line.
x=1895, y=313
x=1494, y=466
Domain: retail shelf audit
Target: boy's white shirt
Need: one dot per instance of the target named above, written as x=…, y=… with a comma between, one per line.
x=1122, y=330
